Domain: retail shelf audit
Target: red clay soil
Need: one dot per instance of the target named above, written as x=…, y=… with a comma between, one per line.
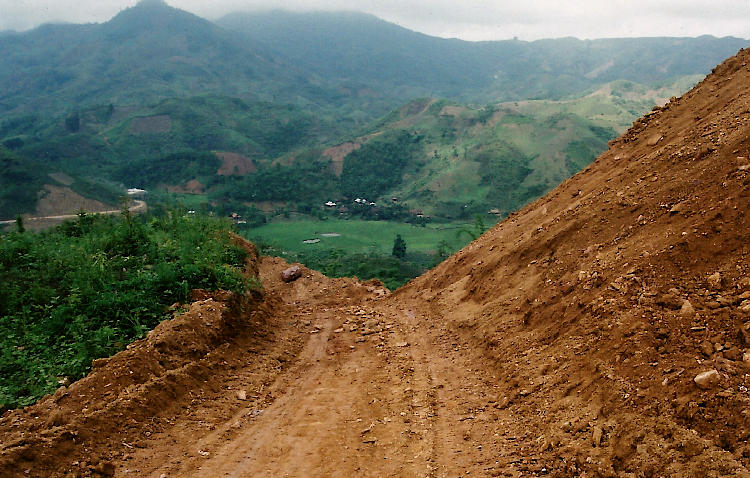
x=191, y=187
x=564, y=342
x=337, y=155
x=600, y=303
x=234, y=164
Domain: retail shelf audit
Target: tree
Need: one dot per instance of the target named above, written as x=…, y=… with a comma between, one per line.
x=443, y=250
x=477, y=231
x=399, y=247
x=73, y=122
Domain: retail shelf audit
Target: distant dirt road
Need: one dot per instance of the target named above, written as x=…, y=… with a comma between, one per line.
x=138, y=207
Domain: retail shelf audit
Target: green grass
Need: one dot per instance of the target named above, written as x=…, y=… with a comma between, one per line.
x=614, y=105
x=355, y=236
x=363, y=249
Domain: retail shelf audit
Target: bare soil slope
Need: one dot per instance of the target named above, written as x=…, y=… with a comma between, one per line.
x=601, y=302
x=604, y=330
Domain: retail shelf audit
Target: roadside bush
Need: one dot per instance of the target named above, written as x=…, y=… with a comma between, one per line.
x=89, y=287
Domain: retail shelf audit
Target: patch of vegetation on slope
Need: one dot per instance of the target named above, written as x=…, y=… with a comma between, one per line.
x=306, y=181
x=176, y=168
x=470, y=161
x=108, y=141
x=615, y=105
x=20, y=181
x=89, y=287
x=378, y=166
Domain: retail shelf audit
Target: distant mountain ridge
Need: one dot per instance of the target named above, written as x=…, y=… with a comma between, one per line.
x=361, y=48
x=279, y=88
x=147, y=52
x=153, y=51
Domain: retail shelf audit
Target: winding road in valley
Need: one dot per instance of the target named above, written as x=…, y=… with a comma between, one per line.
x=138, y=207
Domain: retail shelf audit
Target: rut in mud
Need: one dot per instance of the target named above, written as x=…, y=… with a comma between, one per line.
x=604, y=330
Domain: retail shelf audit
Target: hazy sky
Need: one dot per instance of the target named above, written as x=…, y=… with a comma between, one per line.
x=466, y=19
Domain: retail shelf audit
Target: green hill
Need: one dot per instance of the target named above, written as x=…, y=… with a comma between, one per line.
x=350, y=63
x=439, y=157
x=275, y=110
x=104, y=140
x=145, y=53
x=474, y=160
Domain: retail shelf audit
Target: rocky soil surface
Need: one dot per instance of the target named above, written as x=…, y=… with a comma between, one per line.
x=604, y=330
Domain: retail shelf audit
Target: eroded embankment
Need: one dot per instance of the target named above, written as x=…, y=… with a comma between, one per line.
x=603, y=301
x=127, y=396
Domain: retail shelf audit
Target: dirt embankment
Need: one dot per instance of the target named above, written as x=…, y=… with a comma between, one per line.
x=603, y=301
x=604, y=330
x=128, y=397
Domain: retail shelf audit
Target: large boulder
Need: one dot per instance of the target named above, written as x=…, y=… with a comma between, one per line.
x=291, y=274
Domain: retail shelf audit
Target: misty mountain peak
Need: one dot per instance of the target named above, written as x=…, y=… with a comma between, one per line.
x=152, y=3
x=157, y=16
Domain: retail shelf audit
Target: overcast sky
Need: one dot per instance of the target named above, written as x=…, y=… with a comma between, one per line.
x=466, y=19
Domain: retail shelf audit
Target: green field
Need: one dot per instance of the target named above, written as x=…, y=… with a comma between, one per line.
x=363, y=249
x=286, y=237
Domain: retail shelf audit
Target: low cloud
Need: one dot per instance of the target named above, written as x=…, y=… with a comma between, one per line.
x=468, y=19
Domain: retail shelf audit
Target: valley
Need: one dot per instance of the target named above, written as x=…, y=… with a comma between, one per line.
x=562, y=342
x=358, y=250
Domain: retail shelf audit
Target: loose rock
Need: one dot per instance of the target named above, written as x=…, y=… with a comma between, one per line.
x=715, y=281
x=291, y=274
x=743, y=335
x=596, y=436
x=707, y=348
x=670, y=300
x=105, y=469
x=687, y=309
x=707, y=379
x=734, y=354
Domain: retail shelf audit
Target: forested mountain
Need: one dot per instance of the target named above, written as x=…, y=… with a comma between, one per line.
x=147, y=52
x=322, y=60
x=253, y=107
x=359, y=49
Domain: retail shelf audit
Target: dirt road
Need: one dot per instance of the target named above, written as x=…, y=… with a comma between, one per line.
x=137, y=208
x=377, y=390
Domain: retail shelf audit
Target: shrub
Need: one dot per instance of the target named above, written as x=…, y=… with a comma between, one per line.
x=92, y=285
